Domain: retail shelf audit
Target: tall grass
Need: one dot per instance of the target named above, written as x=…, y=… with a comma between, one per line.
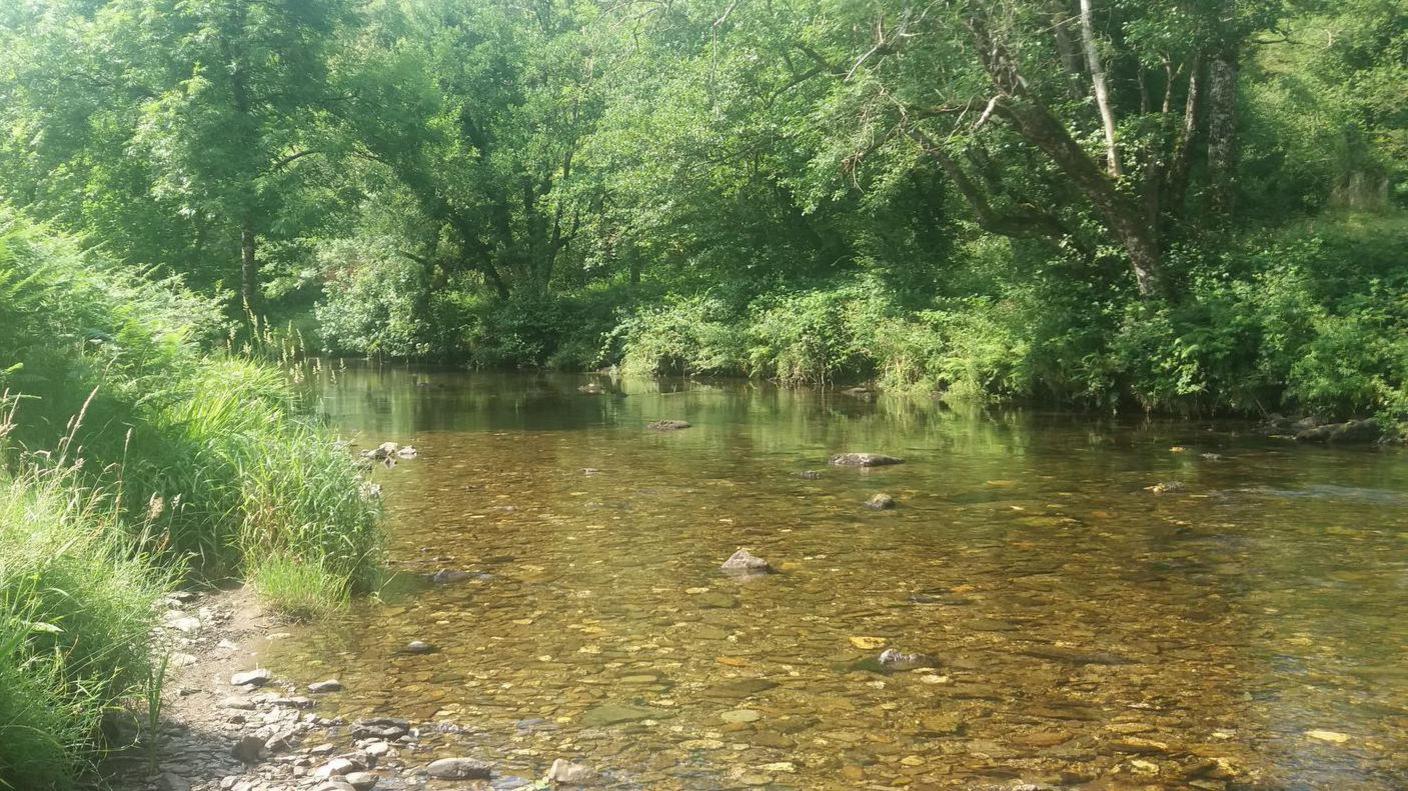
x=133, y=449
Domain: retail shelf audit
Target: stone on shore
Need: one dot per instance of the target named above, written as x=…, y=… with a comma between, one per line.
x=252, y=678
x=248, y=749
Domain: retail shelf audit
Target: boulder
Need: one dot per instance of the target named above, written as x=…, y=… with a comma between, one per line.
x=745, y=562
x=1353, y=431
x=408, y=452
x=880, y=502
x=864, y=460
x=668, y=425
x=458, y=769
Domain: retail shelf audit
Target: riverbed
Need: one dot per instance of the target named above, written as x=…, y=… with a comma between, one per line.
x=1112, y=602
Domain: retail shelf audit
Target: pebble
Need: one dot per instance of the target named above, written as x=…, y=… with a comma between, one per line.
x=419, y=647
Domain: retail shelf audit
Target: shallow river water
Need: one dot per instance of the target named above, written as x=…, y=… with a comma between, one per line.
x=1244, y=630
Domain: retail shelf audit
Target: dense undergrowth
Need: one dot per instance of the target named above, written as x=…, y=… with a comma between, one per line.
x=139, y=449
x=1309, y=318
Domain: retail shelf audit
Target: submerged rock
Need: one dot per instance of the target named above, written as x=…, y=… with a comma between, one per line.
x=330, y=685
x=419, y=647
x=668, y=425
x=809, y=475
x=864, y=460
x=893, y=659
x=1350, y=431
x=591, y=388
x=1165, y=486
x=880, y=502
x=617, y=713
x=565, y=772
x=458, y=769
x=447, y=576
x=408, y=452
x=745, y=562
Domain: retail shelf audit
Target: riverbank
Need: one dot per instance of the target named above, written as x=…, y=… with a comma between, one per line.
x=228, y=724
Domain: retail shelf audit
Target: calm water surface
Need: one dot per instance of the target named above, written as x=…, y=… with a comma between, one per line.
x=1243, y=631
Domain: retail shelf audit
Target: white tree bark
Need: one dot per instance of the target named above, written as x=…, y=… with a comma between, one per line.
x=1102, y=93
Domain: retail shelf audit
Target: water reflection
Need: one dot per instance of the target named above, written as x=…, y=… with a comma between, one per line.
x=1091, y=633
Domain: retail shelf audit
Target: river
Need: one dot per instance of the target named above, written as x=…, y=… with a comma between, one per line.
x=1242, y=628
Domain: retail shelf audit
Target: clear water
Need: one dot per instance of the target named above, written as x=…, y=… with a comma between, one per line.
x=1243, y=631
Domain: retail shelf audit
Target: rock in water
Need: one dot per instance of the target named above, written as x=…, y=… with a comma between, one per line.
x=458, y=769
x=382, y=452
x=880, y=502
x=809, y=475
x=668, y=425
x=448, y=576
x=892, y=659
x=591, y=388
x=1352, y=431
x=252, y=678
x=419, y=647
x=408, y=452
x=331, y=685
x=864, y=460
x=745, y=562
x=567, y=773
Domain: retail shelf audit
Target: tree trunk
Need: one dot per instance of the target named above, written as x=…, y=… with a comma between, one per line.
x=1102, y=93
x=1222, y=132
x=249, y=269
